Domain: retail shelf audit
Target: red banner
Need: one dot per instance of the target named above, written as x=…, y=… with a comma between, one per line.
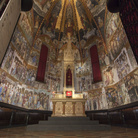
x=95, y=64
x=42, y=64
x=129, y=17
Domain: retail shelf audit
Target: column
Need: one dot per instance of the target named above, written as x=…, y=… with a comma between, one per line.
x=64, y=82
x=54, y=104
x=74, y=108
x=72, y=78
x=64, y=103
x=64, y=77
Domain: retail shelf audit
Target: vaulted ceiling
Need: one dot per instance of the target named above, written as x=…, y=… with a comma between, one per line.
x=83, y=19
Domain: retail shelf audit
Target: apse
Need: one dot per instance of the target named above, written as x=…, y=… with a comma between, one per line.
x=75, y=43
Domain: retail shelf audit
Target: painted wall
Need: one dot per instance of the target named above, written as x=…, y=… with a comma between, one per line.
x=118, y=65
x=119, y=70
x=19, y=68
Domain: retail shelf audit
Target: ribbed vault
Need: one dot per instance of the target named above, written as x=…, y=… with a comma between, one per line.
x=83, y=19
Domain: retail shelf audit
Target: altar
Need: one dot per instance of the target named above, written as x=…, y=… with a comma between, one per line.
x=68, y=106
x=68, y=103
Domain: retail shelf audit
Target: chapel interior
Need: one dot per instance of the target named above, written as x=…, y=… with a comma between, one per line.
x=68, y=61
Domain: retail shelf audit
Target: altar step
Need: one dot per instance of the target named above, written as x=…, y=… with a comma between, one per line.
x=68, y=121
x=68, y=118
x=68, y=128
x=68, y=124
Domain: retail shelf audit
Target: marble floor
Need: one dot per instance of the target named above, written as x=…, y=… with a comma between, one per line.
x=116, y=132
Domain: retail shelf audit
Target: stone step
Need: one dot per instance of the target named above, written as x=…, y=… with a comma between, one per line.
x=68, y=127
x=67, y=118
x=68, y=122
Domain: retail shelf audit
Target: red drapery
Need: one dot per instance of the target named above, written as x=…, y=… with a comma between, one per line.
x=95, y=64
x=42, y=64
x=68, y=78
x=129, y=17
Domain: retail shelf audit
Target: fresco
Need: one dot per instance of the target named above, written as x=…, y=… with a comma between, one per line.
x=8, y=60
x=108, y=77
x=49, y=27
x=89, y=28
x=17, y=68
x=95, y=6
x=118, y=41
x=112, y=97
x=96, y=100
x=131, y=86
x=20, y=43
x=30, y=16
x=38, y=44
x=84, y=52
x=123, y=64
x=127, y=91
x=30, y=76
x=83, y=76
x=112, y=26
x=34, y=58
x=26, y=27
x=117, y=62
x=14, y=93
x=53, y=76
x=122, y=92
x=69, y=21
x=103, y=55
x=108, y=17
x=42, y=6
x=37, y=20
x=22, y=96
x=84, y=84
x=100, y=21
